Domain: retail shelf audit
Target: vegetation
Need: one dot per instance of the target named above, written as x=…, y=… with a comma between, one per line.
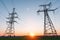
x=25, y=38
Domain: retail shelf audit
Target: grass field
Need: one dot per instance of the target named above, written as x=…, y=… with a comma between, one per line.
x=29, y=38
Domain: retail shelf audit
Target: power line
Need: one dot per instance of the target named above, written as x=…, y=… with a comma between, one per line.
x=2, y=17
x=4, y=5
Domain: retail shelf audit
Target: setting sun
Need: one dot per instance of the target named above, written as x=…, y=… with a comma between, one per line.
x=32, y=34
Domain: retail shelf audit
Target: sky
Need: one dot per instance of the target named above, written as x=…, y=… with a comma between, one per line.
x=29, y=21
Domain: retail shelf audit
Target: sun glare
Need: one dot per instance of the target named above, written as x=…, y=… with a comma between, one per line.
x=32, y=34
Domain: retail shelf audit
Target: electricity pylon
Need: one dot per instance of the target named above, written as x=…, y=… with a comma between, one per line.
x=10, y=31
x=49, y=28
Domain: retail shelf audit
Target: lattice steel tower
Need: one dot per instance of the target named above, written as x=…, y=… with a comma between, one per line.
x=10, y=31
x=49, y=28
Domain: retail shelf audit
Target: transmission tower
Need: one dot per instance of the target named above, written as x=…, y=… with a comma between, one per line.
x=49, y=28
x=10, y=31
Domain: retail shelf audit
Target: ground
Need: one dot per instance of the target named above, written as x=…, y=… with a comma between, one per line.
x=30, y=38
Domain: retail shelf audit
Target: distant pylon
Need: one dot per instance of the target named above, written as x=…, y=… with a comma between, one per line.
x=48, y=25
x=10, y=31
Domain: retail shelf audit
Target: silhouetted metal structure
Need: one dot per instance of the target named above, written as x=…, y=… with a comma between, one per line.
x=10, y=31
x=48, y=25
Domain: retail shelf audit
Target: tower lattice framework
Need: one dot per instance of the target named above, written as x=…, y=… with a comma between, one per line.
x=10, y=31
x=49, y=28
